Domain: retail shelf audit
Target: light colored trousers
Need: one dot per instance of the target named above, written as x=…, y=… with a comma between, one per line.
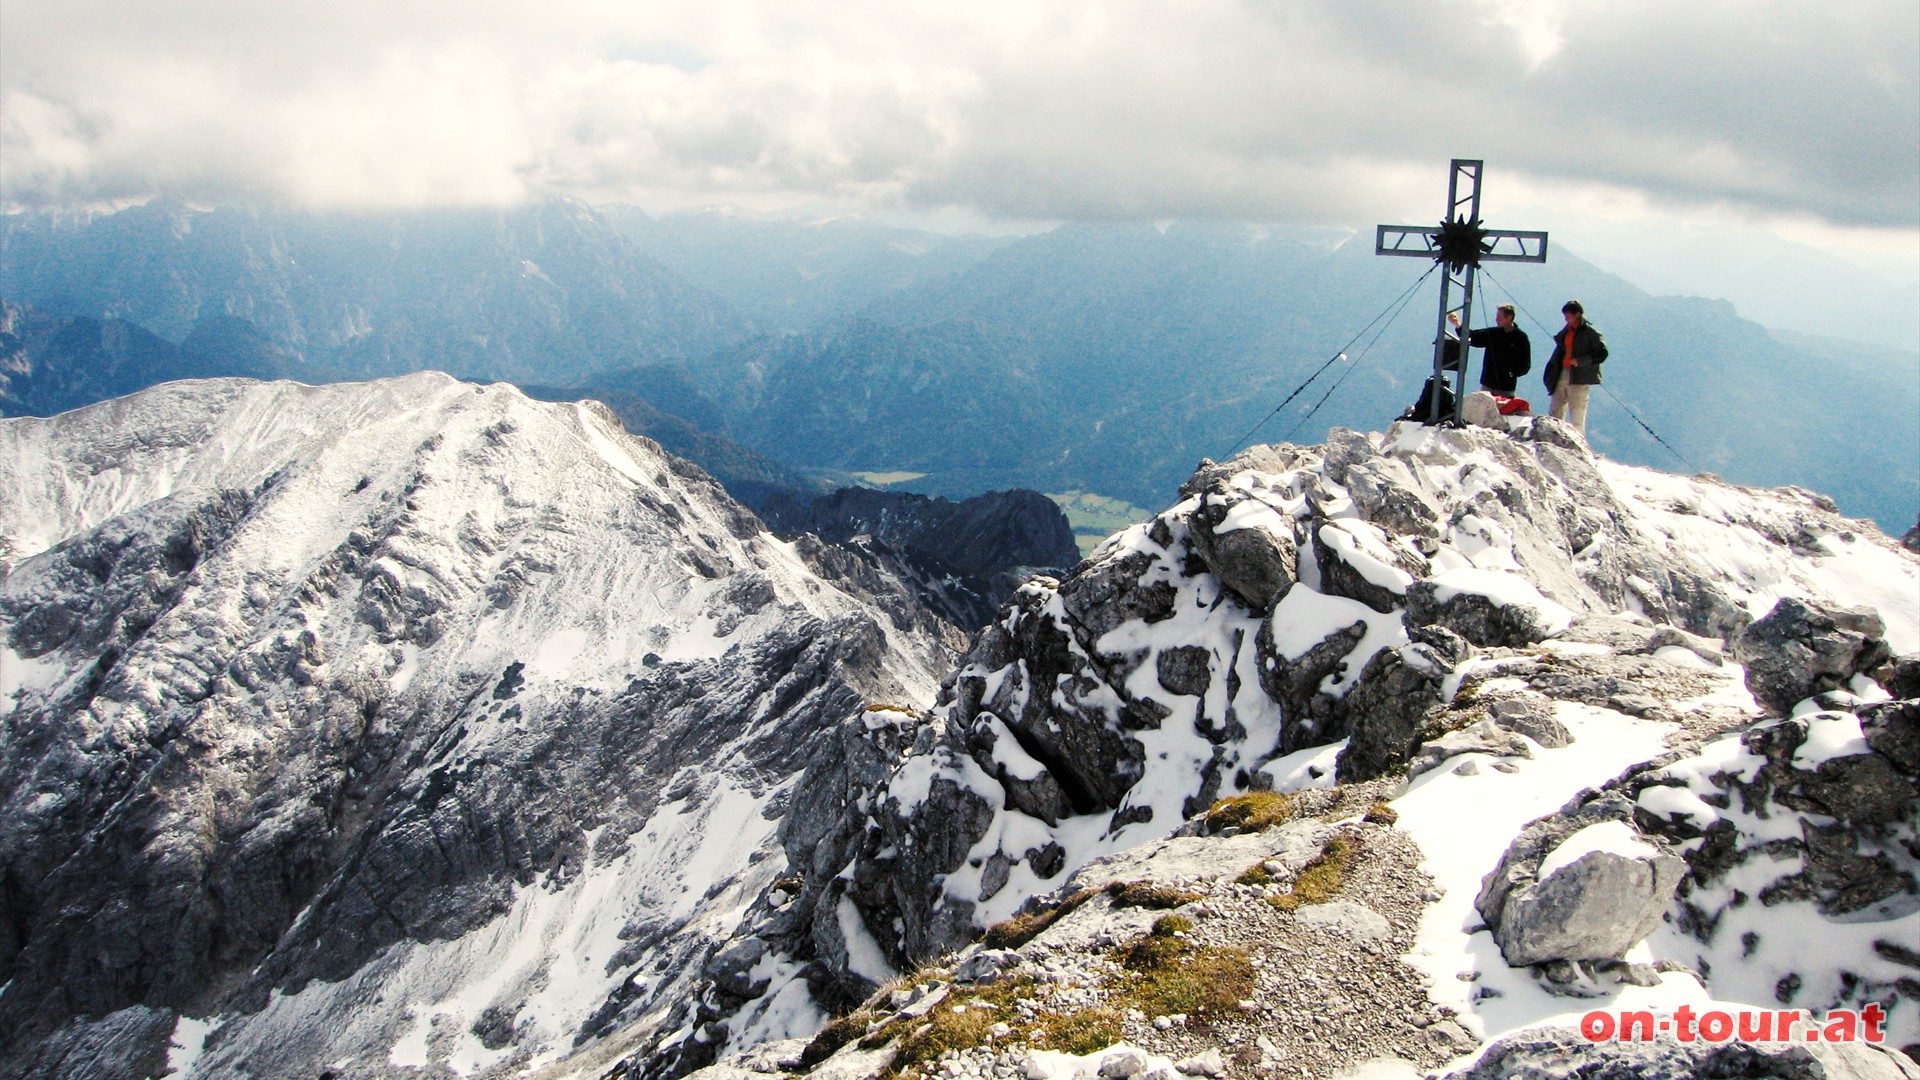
x=1570, y=404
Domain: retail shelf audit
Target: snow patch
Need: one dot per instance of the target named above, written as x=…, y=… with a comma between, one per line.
x=1610, y=837
x=1305, y=617
x=189, y=1039
x=1503, y=589
x=1830, y=735
x=864, y=957
x=558, y=652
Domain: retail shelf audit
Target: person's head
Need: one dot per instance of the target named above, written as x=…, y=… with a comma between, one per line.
x=1503, y=315
x=1574, y=312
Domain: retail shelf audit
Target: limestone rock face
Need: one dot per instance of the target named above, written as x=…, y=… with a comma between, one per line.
x=1389, y=708
x=1543, y=904
x=1258, y=565
x=1800, y=649
x=1361, y=562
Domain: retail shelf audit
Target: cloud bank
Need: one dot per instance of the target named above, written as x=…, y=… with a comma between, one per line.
x=1316, y=110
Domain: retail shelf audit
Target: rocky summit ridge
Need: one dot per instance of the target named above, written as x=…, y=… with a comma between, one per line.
x=417, y=729
x=1651, y=739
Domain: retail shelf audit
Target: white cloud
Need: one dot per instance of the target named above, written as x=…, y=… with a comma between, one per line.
x=1342, y=110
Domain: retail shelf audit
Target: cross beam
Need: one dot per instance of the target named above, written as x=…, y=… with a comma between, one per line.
x=1460, y=244
x=1495, y=245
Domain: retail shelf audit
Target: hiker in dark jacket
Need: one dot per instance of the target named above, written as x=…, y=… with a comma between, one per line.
x=1509, y=354
x=1574, y=368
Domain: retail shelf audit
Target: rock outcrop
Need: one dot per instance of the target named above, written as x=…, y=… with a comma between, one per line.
x=1578, y=886
x=1799, y=649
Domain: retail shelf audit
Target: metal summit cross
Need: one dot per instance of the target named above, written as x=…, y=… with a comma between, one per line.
x=1460, y=244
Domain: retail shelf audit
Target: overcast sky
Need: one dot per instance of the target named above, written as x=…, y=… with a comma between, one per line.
x=1801, y=113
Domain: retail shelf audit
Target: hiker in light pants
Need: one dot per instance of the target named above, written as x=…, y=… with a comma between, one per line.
x=1574, y=368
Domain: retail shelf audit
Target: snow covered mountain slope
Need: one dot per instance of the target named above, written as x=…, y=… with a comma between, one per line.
x=406, y=725
x=1561, y=675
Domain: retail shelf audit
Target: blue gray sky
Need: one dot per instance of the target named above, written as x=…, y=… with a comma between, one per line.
x=1798, y=116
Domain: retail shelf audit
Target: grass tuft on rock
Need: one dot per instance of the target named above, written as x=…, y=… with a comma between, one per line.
x=1024, y=927
x=1252, y=812
x=1079, y=1032
x=839, y=1031
x=947, y=1027
x=1321, y=879
x=1257, y=874
x=1145, y=894
x=1167, y=973
x=1171, y=926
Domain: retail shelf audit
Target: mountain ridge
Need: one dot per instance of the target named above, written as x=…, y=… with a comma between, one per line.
x=299, y=683
x=1083, y=338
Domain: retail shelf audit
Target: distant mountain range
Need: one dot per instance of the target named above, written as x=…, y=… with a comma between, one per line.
x=1100, y=358
x=546, y=293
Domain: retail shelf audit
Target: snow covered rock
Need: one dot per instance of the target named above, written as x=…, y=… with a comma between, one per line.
x=1256, y=564
x=1388, y=709
x=1486, y=608
x=1580, y=886
x=1800, y=649
x=1833, y=815
x=1530, y=714
x=1360, y=561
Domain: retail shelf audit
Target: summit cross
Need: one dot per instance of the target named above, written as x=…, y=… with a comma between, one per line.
x=1460, y=243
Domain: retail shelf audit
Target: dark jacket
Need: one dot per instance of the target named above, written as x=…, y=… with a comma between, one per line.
x=1509, y=356
x=1589, y=351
